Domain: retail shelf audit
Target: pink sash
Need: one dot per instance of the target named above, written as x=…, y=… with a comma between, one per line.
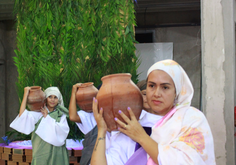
x=160, y=123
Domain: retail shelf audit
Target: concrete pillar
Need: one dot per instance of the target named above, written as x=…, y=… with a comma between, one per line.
x=218, y=74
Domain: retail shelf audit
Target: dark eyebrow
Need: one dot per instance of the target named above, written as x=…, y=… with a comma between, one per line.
x=165, y=84
x=161, y=84
x=151, y=82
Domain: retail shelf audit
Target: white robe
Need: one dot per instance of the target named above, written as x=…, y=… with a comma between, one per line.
x=119, y=147
x=49, y=130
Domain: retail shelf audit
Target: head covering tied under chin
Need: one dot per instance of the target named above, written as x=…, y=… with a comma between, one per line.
x=183, y=85
x=54, y=91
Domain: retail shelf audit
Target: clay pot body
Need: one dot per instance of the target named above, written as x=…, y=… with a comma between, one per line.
x=84, y=96
x=36, y=98
x=117, y=93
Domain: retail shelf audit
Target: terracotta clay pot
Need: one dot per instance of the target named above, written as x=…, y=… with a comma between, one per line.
x=117, y=93
x=36, y=98
x=84, y=96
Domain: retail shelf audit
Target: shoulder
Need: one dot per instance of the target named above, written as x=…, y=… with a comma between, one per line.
x=192, y=111
x=194, y=116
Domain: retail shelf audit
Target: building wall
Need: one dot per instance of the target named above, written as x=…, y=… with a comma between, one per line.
x=2, y=80
x=187, y=52
x=9, y=102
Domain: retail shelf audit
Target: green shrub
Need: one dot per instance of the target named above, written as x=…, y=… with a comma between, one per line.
x=63, y=42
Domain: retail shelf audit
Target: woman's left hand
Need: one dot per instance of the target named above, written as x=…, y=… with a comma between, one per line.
x=44, y=111
x=132, y=129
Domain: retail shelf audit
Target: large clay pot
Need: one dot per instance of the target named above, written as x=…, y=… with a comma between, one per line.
x=36, y=98
x=84, y=96
x=117, y=93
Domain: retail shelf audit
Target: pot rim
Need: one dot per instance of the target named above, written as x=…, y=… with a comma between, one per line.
x=34, y=88
x=84, y=85
x=115, y=75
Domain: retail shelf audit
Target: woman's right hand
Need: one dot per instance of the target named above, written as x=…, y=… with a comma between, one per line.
x=98, y=115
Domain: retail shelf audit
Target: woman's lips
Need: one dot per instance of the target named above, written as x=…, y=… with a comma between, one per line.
x=156, y=102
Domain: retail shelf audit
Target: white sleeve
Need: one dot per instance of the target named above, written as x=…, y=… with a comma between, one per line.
x=26, y=122
x=147, y=119
x=53, y=132
x=119, y=149
x=116, y=156
x=88, y=121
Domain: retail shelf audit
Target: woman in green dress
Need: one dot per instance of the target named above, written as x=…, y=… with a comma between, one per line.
x=49, y=128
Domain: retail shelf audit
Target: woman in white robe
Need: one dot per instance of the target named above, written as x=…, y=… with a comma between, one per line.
x=49, y=128
x=181, y=137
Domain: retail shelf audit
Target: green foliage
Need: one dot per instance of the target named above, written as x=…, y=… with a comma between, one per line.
x=60, y=43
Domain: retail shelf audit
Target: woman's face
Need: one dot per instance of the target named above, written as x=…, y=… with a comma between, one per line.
x=145, y=103
x=160, y=92
x=52, y=101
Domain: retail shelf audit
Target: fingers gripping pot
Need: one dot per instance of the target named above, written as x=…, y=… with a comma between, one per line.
x=117, y=93
x=36, y=98
x=84, y=96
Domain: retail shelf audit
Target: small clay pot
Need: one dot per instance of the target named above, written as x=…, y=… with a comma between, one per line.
x=36, y=98
x=118, y=92
x=84, y=96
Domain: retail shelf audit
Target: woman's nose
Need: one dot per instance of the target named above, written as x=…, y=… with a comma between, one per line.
x=157, y=92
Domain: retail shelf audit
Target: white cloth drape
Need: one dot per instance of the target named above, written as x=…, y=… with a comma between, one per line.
x=49, y=130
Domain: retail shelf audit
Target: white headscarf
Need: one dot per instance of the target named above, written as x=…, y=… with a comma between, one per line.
x=183, y=86
x=54, y=91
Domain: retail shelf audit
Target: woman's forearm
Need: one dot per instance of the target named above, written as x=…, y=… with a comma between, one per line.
x=98, y=156
x=72, y=106
x=151, y=147
x=24, y=100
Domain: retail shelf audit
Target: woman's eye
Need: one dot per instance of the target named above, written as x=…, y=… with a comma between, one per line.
x=151, y=86
x=165, y=87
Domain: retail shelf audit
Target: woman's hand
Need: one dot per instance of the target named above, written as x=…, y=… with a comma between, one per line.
x=132, y=129
x=44, y=111
x=75, y=87
x=101, y=124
